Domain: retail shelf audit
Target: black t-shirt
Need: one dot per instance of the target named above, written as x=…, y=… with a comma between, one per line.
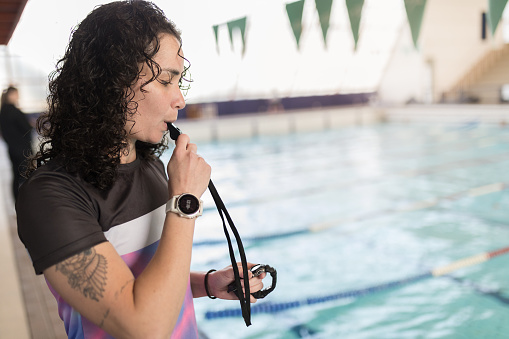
x=60, y=215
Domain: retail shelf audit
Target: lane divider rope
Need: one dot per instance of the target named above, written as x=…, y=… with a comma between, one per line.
x=413, y=206
x=269, y=307
x=490, y=159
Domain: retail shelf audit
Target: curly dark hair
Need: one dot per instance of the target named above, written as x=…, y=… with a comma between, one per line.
x=90, y=97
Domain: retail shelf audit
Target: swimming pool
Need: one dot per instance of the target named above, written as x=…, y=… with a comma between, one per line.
x=354, y=209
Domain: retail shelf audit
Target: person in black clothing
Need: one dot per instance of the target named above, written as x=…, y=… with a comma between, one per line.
x=17, y=133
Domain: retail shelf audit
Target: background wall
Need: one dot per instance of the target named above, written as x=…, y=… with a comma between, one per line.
x=272, y=65
x=450, y=45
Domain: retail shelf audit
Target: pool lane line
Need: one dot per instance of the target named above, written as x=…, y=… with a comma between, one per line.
x=491, y=159
x=432, y=146
x=417, y=205
x=455, y=146
x=268, y=307
x=495, y=294
x=413, y=206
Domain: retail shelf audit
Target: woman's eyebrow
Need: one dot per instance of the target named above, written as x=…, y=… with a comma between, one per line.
x=172, y=71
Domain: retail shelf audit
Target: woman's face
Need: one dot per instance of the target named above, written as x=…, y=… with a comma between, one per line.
x=162, y=98
x=13, y=97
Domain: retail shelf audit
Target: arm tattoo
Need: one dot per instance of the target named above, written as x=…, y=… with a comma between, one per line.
x=104, y=318
x=86, y=272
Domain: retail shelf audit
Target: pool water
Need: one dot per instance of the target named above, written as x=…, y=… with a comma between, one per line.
x=372, y=205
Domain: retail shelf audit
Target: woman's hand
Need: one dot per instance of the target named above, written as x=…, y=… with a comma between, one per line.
x=218, y=282
x=187, y=171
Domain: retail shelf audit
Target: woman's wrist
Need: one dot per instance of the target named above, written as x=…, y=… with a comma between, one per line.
x=198, y=284
x=207, y=286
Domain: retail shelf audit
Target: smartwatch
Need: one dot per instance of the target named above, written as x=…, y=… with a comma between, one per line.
x=185, y=205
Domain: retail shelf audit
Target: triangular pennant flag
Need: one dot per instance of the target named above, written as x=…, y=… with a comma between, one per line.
x=415, y=12
x=354, y=8
x=241, y=25
x=294, y=11
x=323, y=7
x=216, y=30
x=495, y=10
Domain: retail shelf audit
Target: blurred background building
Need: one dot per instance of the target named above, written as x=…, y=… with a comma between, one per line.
x=271, y=55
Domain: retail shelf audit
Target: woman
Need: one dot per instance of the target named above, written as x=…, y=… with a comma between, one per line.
x=94, y=214
x=17, y=133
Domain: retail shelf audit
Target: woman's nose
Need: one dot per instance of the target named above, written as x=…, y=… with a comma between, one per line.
x=179, y=102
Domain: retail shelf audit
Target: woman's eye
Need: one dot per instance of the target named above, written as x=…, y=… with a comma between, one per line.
x=165, y=82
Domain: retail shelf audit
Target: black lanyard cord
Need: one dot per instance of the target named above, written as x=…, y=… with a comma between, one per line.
x=245, y=299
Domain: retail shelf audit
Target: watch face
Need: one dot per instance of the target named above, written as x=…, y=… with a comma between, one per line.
x=188, y=204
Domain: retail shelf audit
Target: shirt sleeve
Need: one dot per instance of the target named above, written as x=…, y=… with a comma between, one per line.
x=56, y=219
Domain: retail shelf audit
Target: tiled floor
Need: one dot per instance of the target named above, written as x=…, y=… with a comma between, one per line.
x=41, y=307
x=27, y=308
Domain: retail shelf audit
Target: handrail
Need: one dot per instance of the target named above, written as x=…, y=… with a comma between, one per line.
x=480, y=68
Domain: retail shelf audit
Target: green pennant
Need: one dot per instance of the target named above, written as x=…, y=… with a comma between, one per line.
x=241, y=25
x=294, y=11
x=354, y=8
x=415, y=12
x=216, y=30
x=495, y=10
x=323, y=7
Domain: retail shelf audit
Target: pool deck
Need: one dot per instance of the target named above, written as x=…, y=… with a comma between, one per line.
x=28, y=310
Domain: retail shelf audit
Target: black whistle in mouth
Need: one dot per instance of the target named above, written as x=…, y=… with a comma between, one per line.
x=174, y=131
